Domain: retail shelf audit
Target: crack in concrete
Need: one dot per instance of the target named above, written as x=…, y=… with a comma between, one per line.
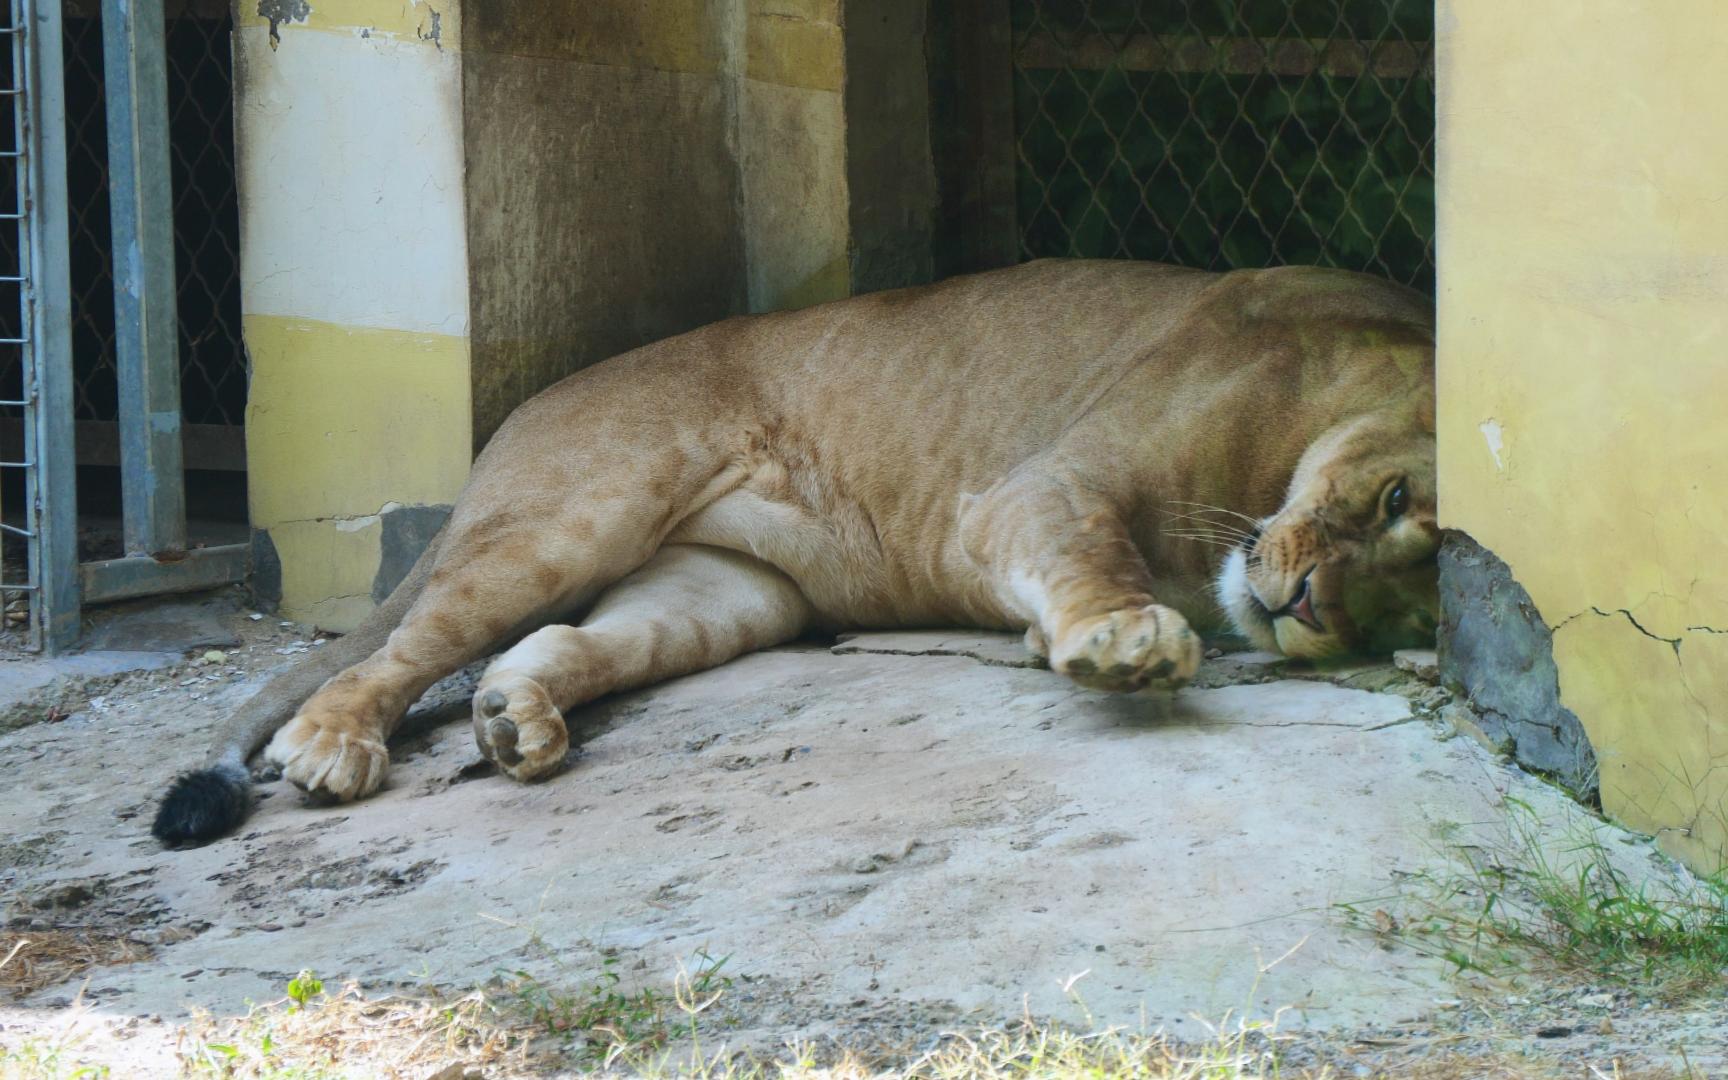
x=1301, y=723
x=848, y=649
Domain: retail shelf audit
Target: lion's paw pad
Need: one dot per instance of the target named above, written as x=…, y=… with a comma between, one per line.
x=1130, y=649
x=518, y=727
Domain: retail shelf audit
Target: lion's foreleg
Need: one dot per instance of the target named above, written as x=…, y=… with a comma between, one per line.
x=689, y=608
x=1058, y=553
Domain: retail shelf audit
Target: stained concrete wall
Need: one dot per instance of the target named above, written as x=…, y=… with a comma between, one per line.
x=636, y=169
x=602, y=194
x=1583, y=313
x=354, y=288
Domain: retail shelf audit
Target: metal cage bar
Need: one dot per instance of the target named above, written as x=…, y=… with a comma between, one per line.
x=45, y=299
x=147, y=346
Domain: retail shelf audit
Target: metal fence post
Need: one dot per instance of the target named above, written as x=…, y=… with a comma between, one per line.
x=147, y=346
x=50, y=481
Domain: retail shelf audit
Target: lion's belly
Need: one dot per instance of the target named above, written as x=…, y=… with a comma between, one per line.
x=843, y=565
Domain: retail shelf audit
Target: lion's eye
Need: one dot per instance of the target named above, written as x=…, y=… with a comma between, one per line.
x=1397, y=500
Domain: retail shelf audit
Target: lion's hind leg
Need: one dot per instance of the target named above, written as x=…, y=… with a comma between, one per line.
x=687, y=609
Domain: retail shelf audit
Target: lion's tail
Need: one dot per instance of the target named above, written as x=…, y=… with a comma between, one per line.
x=208, y=802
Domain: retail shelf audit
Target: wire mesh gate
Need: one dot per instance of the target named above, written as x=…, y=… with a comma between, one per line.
x=144, y=348
x=1211, y=133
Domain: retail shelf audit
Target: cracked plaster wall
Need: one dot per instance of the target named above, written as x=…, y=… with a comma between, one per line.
x=1583, y=305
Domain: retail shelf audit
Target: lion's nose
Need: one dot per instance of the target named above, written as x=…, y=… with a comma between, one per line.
x=1301, y=606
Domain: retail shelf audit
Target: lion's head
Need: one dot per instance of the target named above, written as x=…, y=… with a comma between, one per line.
x=1347, y=565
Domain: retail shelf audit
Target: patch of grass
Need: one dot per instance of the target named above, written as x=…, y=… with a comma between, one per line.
x=322, y=1036
x=1569, y=905
x=335, y=1037
x=312, y=1035
x=36, y=1059
x=608, y=1021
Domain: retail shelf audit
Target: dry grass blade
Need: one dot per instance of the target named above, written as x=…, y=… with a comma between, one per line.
x=348, y=1034
x=42, y=958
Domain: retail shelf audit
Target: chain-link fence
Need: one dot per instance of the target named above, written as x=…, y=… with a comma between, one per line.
x=1211, y=133
x=206, y=213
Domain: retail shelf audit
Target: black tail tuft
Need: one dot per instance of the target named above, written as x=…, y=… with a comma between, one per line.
x=202, y=805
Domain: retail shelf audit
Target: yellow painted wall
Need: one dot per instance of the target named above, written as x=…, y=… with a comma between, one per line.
x=1583, y=203
x=353, y=285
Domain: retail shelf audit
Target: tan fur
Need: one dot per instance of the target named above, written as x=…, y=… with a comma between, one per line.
x=1035, y=448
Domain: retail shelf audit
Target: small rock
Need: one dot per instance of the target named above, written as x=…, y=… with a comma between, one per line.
x=1606, y=1027
x=1422, y=663
x=1213, y=654
x=1597, y=1001
x=255, y=617
x=215, y=656
x=1553, y=1031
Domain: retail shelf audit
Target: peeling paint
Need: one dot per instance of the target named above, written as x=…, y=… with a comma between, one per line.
x=1492, y=433
x=281, y=11
x=436, y=34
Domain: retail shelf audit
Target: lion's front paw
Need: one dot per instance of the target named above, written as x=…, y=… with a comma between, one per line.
x=327, y=761
x=1127, y=650
x=516, y=725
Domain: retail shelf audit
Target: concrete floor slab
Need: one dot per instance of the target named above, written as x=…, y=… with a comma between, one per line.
x=891, y=823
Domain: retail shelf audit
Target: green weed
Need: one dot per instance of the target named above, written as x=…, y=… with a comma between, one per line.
x=608, y=1020
x=1522, y=899
x=35, y=1059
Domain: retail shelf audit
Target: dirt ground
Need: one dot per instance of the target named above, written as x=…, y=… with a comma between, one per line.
x=885, y=838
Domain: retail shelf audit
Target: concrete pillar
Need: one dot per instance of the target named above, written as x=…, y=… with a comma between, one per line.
x=354, y=292
x=1583, y=308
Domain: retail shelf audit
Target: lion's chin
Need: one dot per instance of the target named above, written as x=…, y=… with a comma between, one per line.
x=1302, y=642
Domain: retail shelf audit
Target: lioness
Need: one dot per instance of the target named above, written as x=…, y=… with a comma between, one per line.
x=1072, y=448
